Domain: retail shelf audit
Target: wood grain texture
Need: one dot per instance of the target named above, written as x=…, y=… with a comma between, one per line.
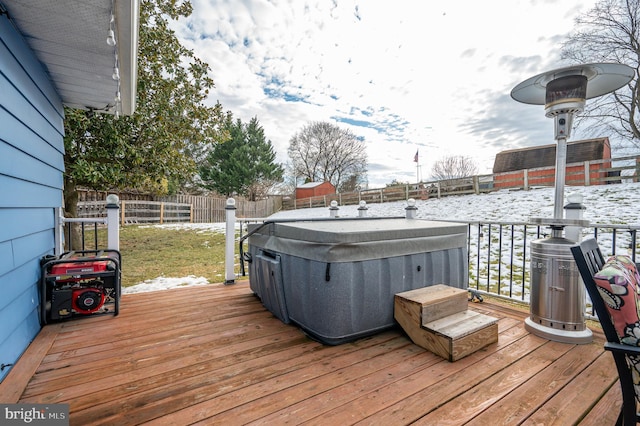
x=213, y=355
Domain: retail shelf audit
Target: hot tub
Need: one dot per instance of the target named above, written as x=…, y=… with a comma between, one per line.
x=337, y=278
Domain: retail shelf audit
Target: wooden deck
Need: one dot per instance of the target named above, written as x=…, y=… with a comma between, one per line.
x=214, y=355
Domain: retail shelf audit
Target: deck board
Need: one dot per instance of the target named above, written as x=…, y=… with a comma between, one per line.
x=213, y=355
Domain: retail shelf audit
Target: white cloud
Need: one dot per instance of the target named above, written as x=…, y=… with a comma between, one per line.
x=422, y=74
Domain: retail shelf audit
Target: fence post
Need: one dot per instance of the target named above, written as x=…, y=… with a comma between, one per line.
x=230, y=237
x=161, y=213
x=476, y=184
x=587, y=174
x=122, y=209
x=113, y=224
x=525, y=178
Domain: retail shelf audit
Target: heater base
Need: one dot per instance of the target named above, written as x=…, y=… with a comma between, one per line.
x=564, y=336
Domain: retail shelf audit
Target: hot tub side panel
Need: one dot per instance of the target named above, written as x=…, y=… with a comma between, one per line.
x=342, y=301
x=268, y=283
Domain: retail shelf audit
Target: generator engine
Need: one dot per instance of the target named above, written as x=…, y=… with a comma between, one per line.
x=80, y=284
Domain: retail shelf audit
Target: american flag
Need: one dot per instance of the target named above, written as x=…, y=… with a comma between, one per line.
x=415, y=157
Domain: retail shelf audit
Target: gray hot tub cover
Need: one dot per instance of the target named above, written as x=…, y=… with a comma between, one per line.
x=359, y=239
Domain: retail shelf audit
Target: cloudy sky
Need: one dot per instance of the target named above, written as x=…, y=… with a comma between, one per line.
x=405, y=75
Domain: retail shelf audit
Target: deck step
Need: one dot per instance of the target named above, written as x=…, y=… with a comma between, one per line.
x=437, y=319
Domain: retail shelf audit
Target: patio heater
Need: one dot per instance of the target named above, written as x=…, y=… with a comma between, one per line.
x=557, y=294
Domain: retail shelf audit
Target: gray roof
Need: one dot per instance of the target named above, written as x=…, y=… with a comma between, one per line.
x=70, y=38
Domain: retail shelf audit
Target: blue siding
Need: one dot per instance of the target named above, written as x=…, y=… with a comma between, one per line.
x=24, y=222
x=22, y=286
x=32, y=71
x=21, y=137
x=31, y=180
x=19, y=165
x=23, y=108
x=15, y=283
x=20, y=193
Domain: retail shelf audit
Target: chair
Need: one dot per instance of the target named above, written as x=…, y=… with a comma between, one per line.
x=597, y=275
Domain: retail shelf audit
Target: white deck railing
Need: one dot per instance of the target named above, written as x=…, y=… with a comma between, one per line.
x=111, y=221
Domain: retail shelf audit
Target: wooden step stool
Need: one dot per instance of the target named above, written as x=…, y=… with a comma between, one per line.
x=436, y=318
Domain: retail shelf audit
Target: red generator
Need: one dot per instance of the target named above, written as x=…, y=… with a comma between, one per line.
x=80, y=284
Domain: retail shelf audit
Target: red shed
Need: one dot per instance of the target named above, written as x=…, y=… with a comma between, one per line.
x=315, y=189
x=510, y=166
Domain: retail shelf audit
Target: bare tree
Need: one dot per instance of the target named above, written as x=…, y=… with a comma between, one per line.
x=324, y=152
x=610, y=32
x=454, y=167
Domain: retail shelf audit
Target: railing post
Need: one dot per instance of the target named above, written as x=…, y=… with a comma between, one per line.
x=59, y=231
x=230, y=237
x=333, y=210
x=411, y=208
x=113, y=223
x=362, y=209
x=574, y=210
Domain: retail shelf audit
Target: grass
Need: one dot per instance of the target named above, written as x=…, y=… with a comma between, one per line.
x=150, y=252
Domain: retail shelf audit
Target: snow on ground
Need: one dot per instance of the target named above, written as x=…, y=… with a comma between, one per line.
x=199, y=228
x=164, y=283
x=606, y=204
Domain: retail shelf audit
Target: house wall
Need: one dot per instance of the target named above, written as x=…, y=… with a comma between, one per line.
x=31, y=179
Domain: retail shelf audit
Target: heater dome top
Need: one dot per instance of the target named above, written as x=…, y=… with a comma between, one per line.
x=602, y=78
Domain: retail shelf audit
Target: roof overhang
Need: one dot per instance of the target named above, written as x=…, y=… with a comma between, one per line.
x=69, y=37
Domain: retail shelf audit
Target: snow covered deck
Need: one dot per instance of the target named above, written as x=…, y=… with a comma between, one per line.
x=213, y=354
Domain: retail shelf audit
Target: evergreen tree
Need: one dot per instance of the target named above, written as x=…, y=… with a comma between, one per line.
x=244, y=164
